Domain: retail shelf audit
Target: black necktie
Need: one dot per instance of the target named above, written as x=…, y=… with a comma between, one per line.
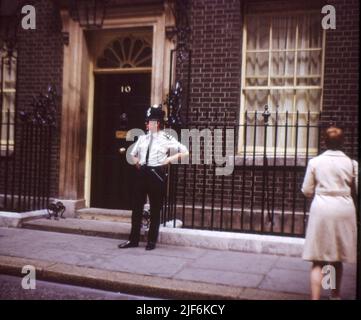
x=148, y=150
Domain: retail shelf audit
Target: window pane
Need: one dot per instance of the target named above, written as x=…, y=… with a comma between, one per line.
x=255, y=100
x=309, y=31
x=117, y=46
x=258, y=29
x=257, y=69
x=308, y=100
x=5, y=130
x=9, y=74
x=8, y=101
x=8, y=104
x=144, y=58
x=309, y=63
x=284, y=32
x=307, y=133
x=283, y=67
x=283, y=99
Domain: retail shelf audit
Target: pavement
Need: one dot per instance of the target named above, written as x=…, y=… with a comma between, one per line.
x=169, y=271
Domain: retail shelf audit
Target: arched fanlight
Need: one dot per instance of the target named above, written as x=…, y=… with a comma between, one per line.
x=126, y=52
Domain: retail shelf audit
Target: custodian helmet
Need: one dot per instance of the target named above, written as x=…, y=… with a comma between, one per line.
x=155, y=112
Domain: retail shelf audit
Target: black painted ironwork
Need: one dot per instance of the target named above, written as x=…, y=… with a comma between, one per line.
x=263, y=192
x=178, y=98
x=43, y=108
x=174, y=103
x=56, y=210
x=146, y=218
x=26, y=163
x=181, y=32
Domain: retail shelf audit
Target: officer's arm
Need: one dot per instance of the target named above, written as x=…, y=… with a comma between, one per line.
x=182, y=151
x=134, y=154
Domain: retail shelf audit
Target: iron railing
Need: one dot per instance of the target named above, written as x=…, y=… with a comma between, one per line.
x=25, y=159
x=263, y=192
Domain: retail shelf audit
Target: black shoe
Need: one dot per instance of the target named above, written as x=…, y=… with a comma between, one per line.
x=127, y=244
x=150, y=246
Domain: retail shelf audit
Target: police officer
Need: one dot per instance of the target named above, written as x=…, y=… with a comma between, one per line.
x=151, y=157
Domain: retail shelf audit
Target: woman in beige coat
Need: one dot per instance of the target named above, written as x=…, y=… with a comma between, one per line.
x=331, y=232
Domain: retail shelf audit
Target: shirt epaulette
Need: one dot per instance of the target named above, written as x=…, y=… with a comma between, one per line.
x=167, y=135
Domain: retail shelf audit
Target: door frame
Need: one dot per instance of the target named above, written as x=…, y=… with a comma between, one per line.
x=161, y=48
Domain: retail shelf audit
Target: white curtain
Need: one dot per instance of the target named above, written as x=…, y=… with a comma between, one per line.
x=8, y=96
x=288, y=64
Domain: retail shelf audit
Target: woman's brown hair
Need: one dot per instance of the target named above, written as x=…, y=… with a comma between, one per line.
x=334, y=138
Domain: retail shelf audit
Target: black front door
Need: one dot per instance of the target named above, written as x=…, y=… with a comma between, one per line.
x=120, y=104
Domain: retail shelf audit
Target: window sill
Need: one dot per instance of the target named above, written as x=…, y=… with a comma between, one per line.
x=6, y=153
x=279, y=161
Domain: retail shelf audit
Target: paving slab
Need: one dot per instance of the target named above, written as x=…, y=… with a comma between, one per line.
x=297, y=281
x=220, y=277
x=286, y=281
x=236, y=261
x=292, y=263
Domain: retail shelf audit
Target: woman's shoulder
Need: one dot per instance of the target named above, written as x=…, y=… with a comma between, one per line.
x=314, y=160
x=330, y=154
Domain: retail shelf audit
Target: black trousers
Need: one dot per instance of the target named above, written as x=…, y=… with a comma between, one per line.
x=149, y=181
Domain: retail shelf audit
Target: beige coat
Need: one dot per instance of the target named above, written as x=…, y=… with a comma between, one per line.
x=331, y=232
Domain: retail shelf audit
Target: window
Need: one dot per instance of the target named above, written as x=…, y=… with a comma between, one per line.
x=282, y=67
x=7, y=103
x=126, y=52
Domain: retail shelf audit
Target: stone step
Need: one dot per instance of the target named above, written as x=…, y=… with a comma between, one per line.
x=109, y=215
x=98, y=228
x=290, y=223
x=107, y=229
x=220, y=240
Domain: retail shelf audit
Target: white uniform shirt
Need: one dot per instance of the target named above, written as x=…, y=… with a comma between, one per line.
x=161, y=145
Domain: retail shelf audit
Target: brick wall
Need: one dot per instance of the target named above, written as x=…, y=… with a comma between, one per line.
x=341, y=83
x=216, y=60
x=215, y=90
x=40, y=62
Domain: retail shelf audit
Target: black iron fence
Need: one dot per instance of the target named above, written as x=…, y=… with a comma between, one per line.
x=25, y=159
x=264, y=162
